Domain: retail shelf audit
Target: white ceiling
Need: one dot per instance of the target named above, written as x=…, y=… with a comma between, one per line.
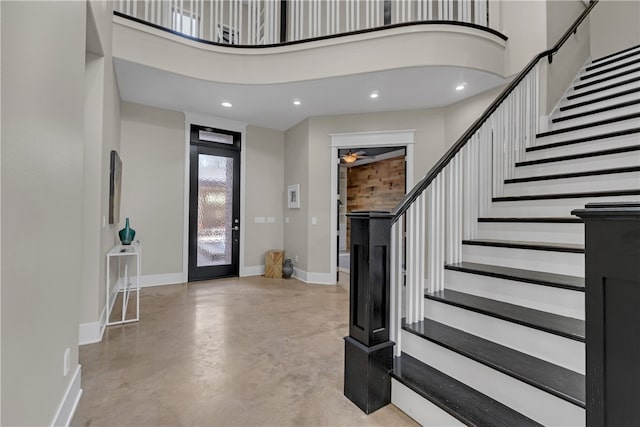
x=272, y=106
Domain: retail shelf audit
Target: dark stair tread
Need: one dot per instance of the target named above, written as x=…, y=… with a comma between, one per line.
x=548, y=322
x=603, y=58
x=543, y=219
x=603, y=88
x=610, y=69
x=536, y=246
x=596, y=111
x=589, y=125
x=602, y=98
x=599, y=153
x=556, y=380
x=461, y=401
x=603, y=62
x=588, y=194
x=604, y=79
x=573, y=283
x=610, y=171
x=590, y=138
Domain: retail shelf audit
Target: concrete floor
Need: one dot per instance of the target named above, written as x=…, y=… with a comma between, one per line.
x=231, y=352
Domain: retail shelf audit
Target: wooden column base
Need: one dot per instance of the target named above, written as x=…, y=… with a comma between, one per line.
x=366, y=374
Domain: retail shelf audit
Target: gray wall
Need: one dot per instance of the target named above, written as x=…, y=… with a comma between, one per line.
x=615, y=25
x=153, y=157
x=153, y=184
x=42, y=143
x=264, y=188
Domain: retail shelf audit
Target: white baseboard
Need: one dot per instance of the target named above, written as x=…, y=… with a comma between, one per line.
x=253, y=270
x=315, y=278
x=147, y=280
x=89, y=333
x=69, y=402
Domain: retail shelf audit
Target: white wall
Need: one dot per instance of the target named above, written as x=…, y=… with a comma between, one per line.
x=615, y=25
x=461, y=115
x=153, y=184
x=42, y=164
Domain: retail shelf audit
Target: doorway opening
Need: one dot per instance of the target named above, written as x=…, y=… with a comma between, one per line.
x=214, y=203
x=369, y=178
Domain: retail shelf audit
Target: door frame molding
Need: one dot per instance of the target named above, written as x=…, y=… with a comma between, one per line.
x=391, y=138
x=191, y=118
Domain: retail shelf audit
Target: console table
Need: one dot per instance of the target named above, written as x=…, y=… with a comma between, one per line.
x=124, y=255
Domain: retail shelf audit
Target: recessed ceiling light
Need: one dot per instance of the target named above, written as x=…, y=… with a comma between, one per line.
x=297, y=102
x=374, y=94
x=460, y=87
x=227, y=104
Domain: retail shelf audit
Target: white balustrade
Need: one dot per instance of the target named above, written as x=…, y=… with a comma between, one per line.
x=257, y=22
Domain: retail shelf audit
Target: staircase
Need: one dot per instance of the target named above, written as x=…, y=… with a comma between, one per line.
x=502, y=343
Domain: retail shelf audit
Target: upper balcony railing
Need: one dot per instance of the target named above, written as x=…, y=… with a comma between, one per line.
x=272, y=22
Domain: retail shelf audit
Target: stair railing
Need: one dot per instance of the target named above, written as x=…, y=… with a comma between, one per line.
x=251, y=23
x=442, y=210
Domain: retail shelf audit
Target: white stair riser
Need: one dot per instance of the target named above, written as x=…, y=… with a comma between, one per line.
x=600, y=104
x=598, y=94
x=582, y=147
x=552, y=207
x=605, y=83
x=609, y=182
x=519, y=396
x=609, y=114
x=552, y=348
x=560, y=301
x=618, y=160
x=532, y=232
x=568, y=263
x=610, y=70
x=589, y=131
x=420, y=409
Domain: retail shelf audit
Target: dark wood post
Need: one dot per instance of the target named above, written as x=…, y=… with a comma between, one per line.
x=368, y=351
x=612, y=306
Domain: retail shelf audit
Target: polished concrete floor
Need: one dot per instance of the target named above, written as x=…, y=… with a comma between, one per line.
x=232, y=352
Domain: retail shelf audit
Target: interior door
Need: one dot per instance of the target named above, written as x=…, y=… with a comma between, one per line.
x=214, y=204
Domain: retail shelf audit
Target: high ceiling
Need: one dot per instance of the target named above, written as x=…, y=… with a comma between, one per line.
x=272, y=106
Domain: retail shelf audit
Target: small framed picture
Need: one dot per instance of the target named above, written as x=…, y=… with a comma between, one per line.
x=293, y=196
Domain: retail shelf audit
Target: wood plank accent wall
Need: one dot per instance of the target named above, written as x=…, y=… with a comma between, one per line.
x=375, y=186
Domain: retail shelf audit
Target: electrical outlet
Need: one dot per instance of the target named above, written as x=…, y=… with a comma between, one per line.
x=296, y=258
x=104, y=221
x=67, y=362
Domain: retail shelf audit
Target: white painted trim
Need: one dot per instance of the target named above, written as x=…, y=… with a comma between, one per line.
x=220, y=123
x=91, y=332
x=419, y=408
x=392, y=138
x=161, y=279
x=314, y=278
x=254, y=270
x=69, y=402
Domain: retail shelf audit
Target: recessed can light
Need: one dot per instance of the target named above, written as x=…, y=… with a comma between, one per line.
x=374, y=94
x=227, y=104
x=297, y=102
x=460, y=87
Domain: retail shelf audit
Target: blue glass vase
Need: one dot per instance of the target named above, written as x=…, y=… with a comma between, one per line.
x=127, y=233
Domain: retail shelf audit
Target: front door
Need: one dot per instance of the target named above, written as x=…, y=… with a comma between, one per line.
x=214, y=203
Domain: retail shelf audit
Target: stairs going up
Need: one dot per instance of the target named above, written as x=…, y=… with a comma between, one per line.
x=503, y=344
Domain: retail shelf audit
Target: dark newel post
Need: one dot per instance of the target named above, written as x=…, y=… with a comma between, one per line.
x=283, y=20
x=368, y=351
x=612, y=308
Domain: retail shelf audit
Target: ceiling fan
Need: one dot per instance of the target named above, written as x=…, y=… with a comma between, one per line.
x=351, y=157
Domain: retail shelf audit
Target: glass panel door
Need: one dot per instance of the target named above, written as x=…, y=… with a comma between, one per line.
x=214, y=223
